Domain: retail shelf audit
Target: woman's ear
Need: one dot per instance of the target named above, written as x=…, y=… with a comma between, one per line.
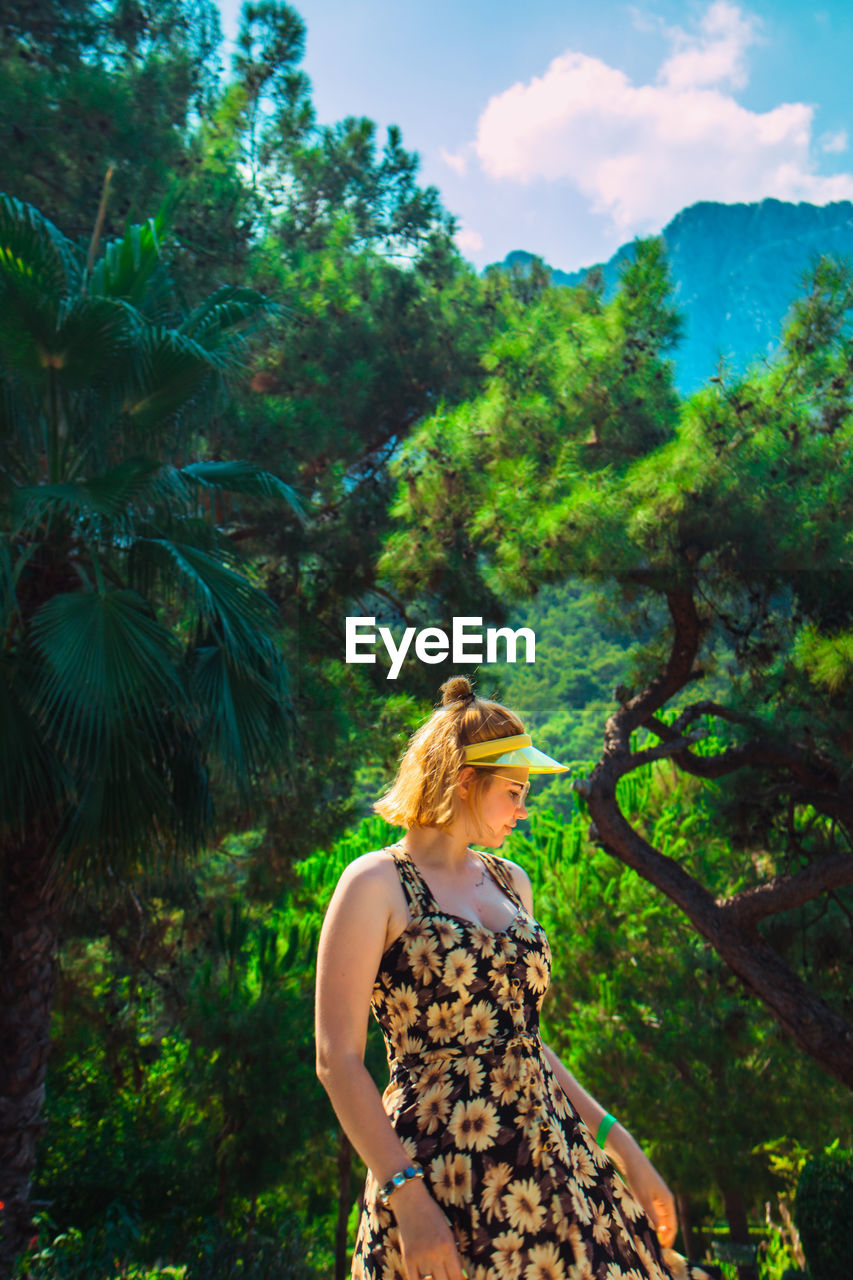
x=466, y=776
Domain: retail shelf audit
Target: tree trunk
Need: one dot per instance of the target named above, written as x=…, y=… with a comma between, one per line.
x=253, y=1222
x=344, y=1196
x=686, y=1224
x=738, y=1228
x=28, y=947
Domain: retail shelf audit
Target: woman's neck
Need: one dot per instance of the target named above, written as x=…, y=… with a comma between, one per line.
x=437, y=846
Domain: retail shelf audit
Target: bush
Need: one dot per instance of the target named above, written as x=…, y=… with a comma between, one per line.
x=111, y=1253
x=823, y=1212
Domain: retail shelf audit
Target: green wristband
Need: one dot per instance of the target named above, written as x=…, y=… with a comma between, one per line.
x=607, y=1123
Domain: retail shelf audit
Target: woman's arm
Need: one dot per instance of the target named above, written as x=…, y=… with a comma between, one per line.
x=351, y=944
x=645, y=1182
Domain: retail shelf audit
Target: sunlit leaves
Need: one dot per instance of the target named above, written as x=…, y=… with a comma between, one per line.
x=827, y=658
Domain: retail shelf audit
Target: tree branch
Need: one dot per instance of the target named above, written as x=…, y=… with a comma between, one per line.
x=685, y=644
x=663, y=752
x=706, y=707
x=810, y=770
x=730, y=927
x=783, y=893
x=813, y=1026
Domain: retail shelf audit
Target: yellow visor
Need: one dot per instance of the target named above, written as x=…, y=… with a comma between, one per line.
x=517, y=752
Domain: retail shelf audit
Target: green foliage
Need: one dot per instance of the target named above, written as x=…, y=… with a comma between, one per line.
x=212, y=1255
x=577, y=391
x=823, y=1209
x=88, y=88
x=583, y=652
x=319, y=873
x=135, y=647
x=182, y=1082
x=579, y=462
x=776, y=1261
x=183, y=1077
x=277, y=109
x=380, y=320
x=250, y=1069
x=366, y=345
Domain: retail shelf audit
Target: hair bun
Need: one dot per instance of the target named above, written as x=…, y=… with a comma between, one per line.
x=457, y=689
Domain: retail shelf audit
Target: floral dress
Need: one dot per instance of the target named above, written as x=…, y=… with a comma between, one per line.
x=526, y=1190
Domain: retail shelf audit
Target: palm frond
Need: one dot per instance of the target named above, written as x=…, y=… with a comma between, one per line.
x=108, y=664
x=173, y=371
x=241, y=618
x=28, y=238
x=108, y=716
x=126, y=266
x=107, y=496
x=78, y=342
x=93, y=342
x=29, y=318
x=38, y=273
x=247, y=724
x=11, y=568
x=137, y=804
x=174, y=500
x=243, y=477
x=123, y=810
x=226, y=310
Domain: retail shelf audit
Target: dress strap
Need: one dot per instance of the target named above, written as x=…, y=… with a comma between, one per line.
x=418, y=896
x=498, y=871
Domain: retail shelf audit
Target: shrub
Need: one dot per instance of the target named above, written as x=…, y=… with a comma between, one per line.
x=823, y=1212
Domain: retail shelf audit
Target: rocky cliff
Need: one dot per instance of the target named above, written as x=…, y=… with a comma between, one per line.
x=736, y=269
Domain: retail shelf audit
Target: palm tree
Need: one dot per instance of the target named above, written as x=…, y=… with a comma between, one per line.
x=138, y=663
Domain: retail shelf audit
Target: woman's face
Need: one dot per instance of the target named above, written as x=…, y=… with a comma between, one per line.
x=501, y=805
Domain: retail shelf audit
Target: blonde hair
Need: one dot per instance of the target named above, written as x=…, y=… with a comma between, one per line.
x=423, y=794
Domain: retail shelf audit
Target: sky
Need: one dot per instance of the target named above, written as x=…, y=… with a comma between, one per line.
x=567, y=127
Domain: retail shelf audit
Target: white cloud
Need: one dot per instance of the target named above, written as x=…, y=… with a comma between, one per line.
x=834, y=141
x=457, y=161
x=642, y=152
x=468, y=240
x=643, y=20
x=716, y=55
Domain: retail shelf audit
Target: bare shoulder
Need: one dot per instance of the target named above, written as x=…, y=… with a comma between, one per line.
x=349, y=952
x=520, y=879
x=370, y=875
x=363, y=906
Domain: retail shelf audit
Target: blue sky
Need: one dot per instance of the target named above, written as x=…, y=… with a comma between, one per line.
x=568, y=128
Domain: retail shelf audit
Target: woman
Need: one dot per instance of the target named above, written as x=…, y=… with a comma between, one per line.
x=481, y=1152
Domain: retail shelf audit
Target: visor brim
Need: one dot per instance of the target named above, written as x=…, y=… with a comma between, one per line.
x=522, y=758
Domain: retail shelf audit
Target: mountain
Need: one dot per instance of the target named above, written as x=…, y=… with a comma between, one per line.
x=737, y=268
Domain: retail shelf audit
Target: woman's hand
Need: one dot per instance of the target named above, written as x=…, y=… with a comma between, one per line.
x=426, y=1241
x=649, y=1188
